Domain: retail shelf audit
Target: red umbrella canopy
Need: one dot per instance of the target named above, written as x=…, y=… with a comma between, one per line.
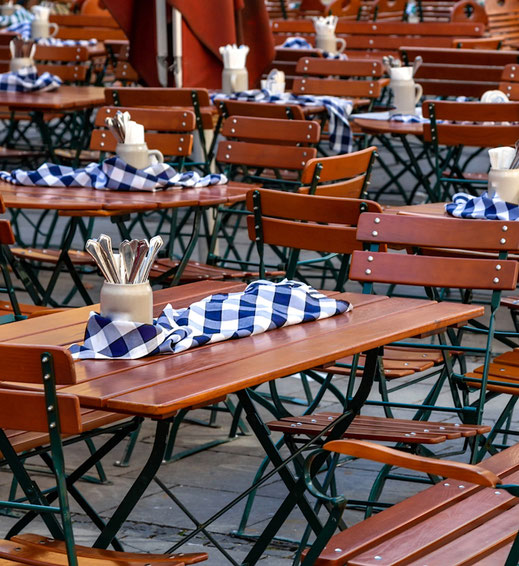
x=205, y=27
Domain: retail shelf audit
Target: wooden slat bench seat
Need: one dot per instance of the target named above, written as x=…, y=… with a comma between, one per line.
x=379, y=428
x=452, y=523
x=58, y=547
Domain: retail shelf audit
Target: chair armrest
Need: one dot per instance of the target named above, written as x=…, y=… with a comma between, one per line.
x=455, y=470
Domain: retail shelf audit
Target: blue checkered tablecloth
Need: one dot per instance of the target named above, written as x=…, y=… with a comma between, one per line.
x=301, y=43
x=484, y=207
x=261, y=307
x=24, y=30
x=338, y=111
x=28, y=80
x=112, y=174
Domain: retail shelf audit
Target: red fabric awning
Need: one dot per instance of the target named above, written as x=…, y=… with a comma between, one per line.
x=205, y=27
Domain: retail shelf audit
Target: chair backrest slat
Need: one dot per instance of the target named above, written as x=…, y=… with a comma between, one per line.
x=151, y=96
x=6, y=232
x=348, y=68
x=431, y=271
x=314, y=237
x=264, y=155
x=22, y=364
x=339, y=87
x=441, y=232
x=272, y=130
x=262, y=110
x=339, y=166
x=26, y=410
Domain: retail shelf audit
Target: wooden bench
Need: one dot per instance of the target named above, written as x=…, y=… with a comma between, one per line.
x=468, y=519
x=382, y=37
x=503, y=21
x=458, y=72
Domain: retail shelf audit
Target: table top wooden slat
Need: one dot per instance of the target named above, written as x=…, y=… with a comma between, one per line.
x=66, y=97
x=160, y=385
x=87, y=199
x=389, y=127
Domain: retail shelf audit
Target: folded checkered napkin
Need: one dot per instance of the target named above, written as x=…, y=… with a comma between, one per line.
x=261, y=307
x=301, y=43
x=338, y=111
x=114, y=174
x=485, y=207
x=20, y=16
x=28, y=80
x=24, y=29
x=408, y=118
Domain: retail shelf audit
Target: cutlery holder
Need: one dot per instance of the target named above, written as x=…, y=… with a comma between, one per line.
x=132, y=303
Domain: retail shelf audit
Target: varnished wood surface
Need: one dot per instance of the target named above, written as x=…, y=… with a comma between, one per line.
x=389, y=127
x=64, y=98
x=427, y=209
x=158, y=386
x=79, y=199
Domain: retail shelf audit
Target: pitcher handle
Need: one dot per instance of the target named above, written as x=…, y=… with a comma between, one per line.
x=158, y=155
x=54, y=26
x=418, y=93
x=342, y=43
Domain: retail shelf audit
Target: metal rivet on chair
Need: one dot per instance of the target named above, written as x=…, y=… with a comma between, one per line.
x=370, y=258
x=233, y=131
x=374, y=233
x=368, y=272
x=505, y=228
x=461, y=487
x=50, y=408
x=496, y=279
x=234, y=121
x=305, y=68
x=338, y=550
x=308, y=137
x=377, y=220
x=18, y=548
x=303, y=81
x=313, y=421
x=497, y=492
x=302, y=88
x=293, y=425
x=446, y=484
x=309, y=126
x=180, y=148
x=330, y=418
x=378, y=557
x=502, y=241
x=185, y=114
x=182, y=140
x=303, y=163
x=371, y=42
x=426, y=430
x=183, y=123
x=52, y=425
x=227, y=156
x=304, y=153
x=102, y=144
x=229, y=146
x=498, y=267
x=103, y=135
x=299, y=424
x=108, y=110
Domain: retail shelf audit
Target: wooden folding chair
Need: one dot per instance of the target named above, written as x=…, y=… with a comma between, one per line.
x=193, y=99
x=456, y=125
x=51, y=414
x=356, y=78
x=327, y=224
x=468, y=518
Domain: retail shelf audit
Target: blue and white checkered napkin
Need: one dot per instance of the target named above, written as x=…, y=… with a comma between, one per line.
x=24, y=29
x=408, y=118
x=114, y=174
x=28, y=80
x=20, y=16
x=485, y=207
x=338, y=111
x=301, y=43
x=261, y=307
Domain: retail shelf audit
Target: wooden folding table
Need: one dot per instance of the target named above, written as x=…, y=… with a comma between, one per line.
x=156, y=387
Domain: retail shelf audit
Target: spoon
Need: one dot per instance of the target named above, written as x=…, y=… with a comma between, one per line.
x=105, y=243
x=94, y=249
x=155, y=244
x=418, y=60
x=126, y=259
x=140, y=255
x=515, y=160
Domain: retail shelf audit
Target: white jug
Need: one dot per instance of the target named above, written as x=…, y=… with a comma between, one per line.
x=406, y=95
